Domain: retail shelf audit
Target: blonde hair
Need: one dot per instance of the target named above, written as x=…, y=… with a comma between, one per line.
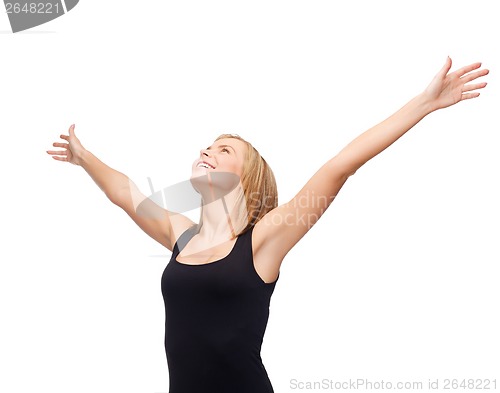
x=259, y=185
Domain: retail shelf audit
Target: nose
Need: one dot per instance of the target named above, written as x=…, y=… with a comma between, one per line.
x=204, y=152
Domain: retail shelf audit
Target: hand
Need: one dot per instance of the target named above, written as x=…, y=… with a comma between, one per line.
x=73, y=150
x=447, y=89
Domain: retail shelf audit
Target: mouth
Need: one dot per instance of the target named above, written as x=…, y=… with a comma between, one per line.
x=204, y=164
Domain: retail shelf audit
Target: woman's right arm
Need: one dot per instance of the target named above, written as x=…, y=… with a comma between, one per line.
x=120, y=190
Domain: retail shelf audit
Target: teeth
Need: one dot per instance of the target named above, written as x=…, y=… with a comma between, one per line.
x=202, y=164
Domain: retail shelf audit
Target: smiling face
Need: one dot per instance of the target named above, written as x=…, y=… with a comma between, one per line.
x=224, y=155
x=232, y=163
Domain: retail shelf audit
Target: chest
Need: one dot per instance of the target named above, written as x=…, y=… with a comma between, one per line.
x=199, y=252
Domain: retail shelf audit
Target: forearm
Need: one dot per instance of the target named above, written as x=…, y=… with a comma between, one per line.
x=378, y=138
x=109, y=180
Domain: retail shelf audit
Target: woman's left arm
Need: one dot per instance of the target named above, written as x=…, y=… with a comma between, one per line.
x=284, y=226
x=446, y=89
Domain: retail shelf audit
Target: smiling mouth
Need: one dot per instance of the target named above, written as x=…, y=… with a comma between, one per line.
x=205, y=165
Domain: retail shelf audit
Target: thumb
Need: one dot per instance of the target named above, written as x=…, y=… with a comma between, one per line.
x=446, y=68
x=72, y=130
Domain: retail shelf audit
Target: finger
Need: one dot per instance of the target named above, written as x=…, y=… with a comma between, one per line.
x=58, y=152
x=474, y=86
x=446, y=68
x=62, y=136
x=474, y=75
x=467, y=96
x=60, y=158
x=65, y=145
x=71, y=130
x=464, y=70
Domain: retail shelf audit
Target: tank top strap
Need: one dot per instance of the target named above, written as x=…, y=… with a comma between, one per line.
x=243, y=248
x=183, y=239
x=246, y=238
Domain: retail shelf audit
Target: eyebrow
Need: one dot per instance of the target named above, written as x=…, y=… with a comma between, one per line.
x=220, y=146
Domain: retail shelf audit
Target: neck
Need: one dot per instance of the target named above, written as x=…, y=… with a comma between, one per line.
x=223, y=218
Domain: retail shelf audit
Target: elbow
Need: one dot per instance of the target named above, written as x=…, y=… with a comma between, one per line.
x=116, y=198
x=343, y=168
x=350, y=173
x=344, y=176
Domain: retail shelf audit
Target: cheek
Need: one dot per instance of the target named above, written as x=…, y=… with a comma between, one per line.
x=232, y=165
x=237, y=167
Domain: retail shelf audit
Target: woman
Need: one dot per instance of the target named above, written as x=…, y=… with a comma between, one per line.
x=223, y=270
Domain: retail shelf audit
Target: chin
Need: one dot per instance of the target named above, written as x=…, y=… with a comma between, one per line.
x=213, y=185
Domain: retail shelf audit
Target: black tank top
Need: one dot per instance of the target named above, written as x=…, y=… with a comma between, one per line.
x=215, y=318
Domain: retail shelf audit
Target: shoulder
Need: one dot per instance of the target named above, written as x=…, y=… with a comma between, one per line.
x=267, y=257
x=182, y=230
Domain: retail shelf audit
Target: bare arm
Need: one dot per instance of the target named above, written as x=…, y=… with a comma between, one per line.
x=120, y=190
x=380, y=137
x=109, y=180
x=285, y=225
x=445, y=90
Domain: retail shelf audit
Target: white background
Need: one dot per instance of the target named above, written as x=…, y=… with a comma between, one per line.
x=397, y=282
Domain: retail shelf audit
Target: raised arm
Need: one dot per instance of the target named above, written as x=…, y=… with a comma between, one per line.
x=120, y=190
x=285, y=225
x=446, y=89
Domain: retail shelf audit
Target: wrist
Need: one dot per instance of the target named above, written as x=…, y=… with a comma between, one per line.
x=425, y=103
x=82, y=156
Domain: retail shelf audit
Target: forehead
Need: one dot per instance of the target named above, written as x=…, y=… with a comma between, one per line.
x=236, y=144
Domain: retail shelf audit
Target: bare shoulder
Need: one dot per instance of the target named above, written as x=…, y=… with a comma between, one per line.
x=179, y=223
x=258, y=238
x=267, y=256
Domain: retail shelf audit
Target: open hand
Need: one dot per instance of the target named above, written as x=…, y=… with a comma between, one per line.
x=73, y=150
x=447, y=89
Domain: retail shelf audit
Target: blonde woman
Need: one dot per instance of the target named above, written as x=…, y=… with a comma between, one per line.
x=223, y=270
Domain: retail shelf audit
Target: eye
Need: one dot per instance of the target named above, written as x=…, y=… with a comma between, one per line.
x=225, y=149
